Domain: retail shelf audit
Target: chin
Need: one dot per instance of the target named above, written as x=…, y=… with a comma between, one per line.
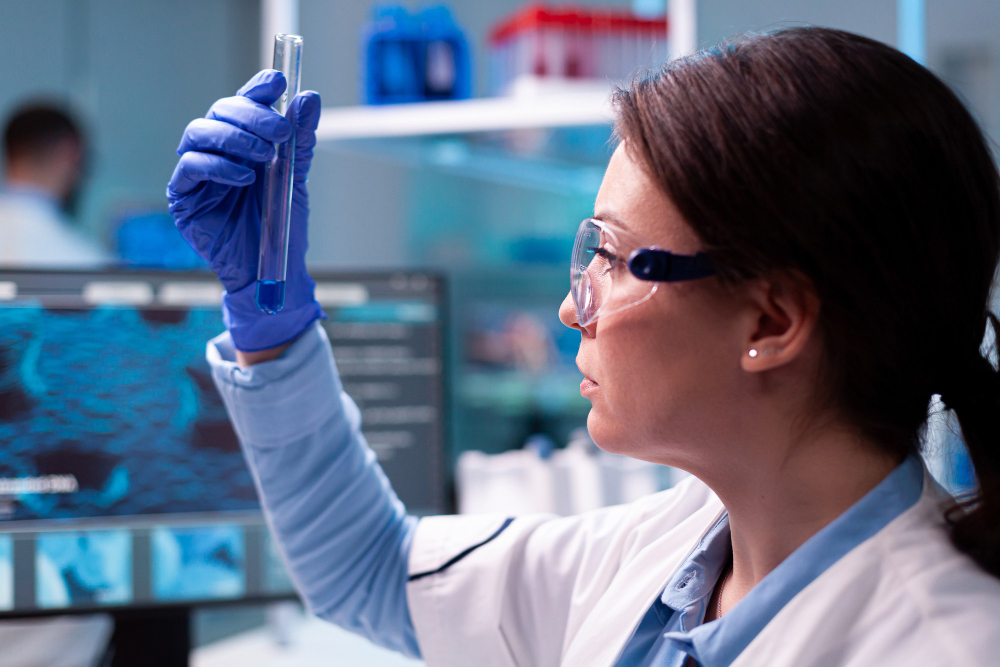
x=616, y=437
x=608, y=435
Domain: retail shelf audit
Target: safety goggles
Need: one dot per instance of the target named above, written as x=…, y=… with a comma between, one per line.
x=613, y=269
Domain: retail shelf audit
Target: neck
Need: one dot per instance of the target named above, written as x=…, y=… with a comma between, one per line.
x=776, y=504
x=45, y=181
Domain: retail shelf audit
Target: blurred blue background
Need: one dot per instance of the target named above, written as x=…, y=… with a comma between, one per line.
x=494, y=211
x=138, y=71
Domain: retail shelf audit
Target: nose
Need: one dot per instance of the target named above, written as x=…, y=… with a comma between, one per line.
x=567, y=313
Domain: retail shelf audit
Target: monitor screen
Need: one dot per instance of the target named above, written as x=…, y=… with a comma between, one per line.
x=122, y=482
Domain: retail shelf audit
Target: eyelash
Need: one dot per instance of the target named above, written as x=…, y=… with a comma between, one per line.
x=601, y=252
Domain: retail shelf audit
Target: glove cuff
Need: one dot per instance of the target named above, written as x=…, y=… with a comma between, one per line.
x=252, y=330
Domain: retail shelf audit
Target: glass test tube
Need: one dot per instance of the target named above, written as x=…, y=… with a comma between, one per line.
x=277, y=200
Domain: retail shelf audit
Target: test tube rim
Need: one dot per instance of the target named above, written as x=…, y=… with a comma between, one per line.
x=288, y=37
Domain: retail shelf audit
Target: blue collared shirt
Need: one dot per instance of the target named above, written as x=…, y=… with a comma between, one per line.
x=672, y=629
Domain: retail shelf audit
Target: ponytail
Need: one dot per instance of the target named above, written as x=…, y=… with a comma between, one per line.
x=975, y=519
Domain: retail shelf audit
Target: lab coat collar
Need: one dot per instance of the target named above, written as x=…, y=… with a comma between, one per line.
x=598, y=642
x=719, y=643
x=696, y=578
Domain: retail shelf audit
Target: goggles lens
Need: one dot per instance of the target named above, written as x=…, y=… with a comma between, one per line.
x=600, y=280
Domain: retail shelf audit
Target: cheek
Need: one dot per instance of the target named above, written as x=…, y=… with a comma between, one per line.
x=637, y=375
x=662, y=380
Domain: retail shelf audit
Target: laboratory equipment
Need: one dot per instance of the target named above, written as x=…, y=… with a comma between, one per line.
x=572, y=480
x=148, y=239
x=414, y=57
x=546, y=42
x=122, y=483
x=447, y=73
x=276, y=214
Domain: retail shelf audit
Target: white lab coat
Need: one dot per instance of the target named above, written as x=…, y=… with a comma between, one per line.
x=570, y=591
x=34, y=234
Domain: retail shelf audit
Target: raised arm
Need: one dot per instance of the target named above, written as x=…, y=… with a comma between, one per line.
x=343, y=532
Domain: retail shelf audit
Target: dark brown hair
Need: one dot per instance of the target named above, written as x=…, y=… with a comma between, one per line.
x=837, y=157
x=35, y=129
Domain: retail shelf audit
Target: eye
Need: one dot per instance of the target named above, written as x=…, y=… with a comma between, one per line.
x=605, y=254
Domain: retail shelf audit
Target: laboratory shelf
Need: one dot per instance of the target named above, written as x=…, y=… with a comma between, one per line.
x=531, y=105
x=456, y=157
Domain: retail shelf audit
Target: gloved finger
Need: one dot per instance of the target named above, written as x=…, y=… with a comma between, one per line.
x=303, y=113
x=206, y=135
x=264, y=87
x=194, y=168
x=254, y=117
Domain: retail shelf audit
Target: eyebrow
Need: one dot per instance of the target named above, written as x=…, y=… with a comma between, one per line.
x=607, y=216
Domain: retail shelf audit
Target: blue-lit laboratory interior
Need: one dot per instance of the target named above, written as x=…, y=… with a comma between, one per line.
x=455, y=149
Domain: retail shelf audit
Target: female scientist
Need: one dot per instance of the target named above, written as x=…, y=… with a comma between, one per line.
x=791, y=252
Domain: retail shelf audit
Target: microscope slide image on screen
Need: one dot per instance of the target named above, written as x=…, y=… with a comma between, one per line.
x=198, y=563
x=111, y=412
x=6, y=572
x=83, y=568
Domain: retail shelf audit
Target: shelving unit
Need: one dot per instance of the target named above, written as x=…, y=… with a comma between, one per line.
x=532, y=105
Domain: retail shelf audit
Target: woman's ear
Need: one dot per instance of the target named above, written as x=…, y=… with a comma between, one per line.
x=788, y=310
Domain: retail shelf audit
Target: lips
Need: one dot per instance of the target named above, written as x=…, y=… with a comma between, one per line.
x=588, y=382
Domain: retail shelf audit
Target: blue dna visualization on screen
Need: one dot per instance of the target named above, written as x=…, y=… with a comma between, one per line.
x=111, y=411
x=122, y=482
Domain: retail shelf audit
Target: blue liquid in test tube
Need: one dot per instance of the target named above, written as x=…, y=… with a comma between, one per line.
x=270, y=295
x=276, y=213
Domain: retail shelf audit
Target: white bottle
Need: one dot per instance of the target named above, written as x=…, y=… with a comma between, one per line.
x=578, y=483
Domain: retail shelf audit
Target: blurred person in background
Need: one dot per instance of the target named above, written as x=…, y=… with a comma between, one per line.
x=43, y=153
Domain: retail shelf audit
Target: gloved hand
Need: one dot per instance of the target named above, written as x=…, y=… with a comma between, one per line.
x=215, y=197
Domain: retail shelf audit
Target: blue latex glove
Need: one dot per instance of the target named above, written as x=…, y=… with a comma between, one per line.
x=215, y=196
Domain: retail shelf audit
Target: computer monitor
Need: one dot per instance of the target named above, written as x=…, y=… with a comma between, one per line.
x=122, y=484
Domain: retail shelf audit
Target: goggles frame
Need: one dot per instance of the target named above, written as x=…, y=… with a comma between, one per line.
x=648, y=263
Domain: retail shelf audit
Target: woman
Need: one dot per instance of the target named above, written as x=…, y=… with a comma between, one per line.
x=833, y=219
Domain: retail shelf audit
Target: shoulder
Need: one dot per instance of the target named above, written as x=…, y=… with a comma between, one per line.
x=35, y=234
x=616, y=528
x=499, y=590
x=905, y=596
x=952, y=601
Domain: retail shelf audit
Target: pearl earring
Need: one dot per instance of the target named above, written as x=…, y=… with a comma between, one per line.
x=753, y=353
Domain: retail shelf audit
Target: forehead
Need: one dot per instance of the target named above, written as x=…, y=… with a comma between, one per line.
x=630, y=198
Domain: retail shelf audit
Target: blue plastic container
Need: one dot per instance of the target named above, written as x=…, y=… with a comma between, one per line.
x=414, y=57
x=446, y=62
